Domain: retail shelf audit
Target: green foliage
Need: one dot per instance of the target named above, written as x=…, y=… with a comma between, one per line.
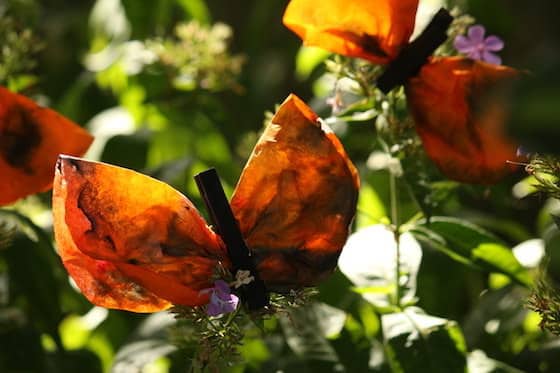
x=471, y=245
x=545, y=300
x=545, y=170
x=168, y=91
x=19, y=46
x=417, y=342
x=199, y=57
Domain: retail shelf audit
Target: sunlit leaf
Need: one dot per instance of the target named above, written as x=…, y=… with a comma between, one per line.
x=468, y=243
x=254, y=351
x=307, y=59
x=417, y=342
x=371, y=209
x=196, y=9
x=369, y=260
x=108, y=20
x=530, y=252
x=76, y=330
x=479, y=362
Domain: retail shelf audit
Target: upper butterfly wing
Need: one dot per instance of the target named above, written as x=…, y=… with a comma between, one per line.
x=459, y=109
x=31, y=137
x=296, y=199
x=129, y=241
x=375, y=30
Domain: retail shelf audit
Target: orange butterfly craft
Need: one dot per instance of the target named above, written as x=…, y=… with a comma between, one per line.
x=458, y=104
x=31, y=137
x=134, y=243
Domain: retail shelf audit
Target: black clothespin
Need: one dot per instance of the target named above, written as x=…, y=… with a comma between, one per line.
x=254, y=294
x=414, y=55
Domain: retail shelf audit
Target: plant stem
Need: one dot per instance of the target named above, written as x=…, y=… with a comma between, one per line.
x=396, y=227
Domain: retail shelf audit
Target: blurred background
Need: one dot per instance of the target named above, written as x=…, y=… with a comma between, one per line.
x=172, y=87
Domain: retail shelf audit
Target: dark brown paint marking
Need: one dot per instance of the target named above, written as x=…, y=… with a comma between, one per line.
x=19, y=137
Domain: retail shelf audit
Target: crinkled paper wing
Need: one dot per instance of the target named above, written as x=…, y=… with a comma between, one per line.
x=129, y=241
x=296, y=199
x=460, y=110
x=31, y=137
x=375, y=30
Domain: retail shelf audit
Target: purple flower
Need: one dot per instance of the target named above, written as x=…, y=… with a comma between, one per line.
x=221, y=299
x=523, y=152
x=477, y=47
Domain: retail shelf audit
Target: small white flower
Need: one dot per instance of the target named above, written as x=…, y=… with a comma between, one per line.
x=242, y=278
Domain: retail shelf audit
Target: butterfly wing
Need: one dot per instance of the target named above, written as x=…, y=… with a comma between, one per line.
x=375, y=30
x=31, y=137
x=296, y=199
x=459, y=111
x=129, y=241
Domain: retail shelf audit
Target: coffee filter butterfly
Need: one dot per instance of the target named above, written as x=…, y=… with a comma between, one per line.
x=132, y=242
x=457, y=103
x=31, y=137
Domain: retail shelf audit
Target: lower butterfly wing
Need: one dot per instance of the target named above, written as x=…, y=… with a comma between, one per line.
x=460, y=110
x=296, y=199
x=31, y=137
x=375, y=30
x=129, y=241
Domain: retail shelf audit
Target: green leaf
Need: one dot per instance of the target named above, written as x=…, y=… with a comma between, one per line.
x=135, y=355
x=470, y=244
x=33, y=274
x=307, y=328
x=147, y=344
x=497, y=314
x=360, y=111
x=7, y=233
x=82, y=360
x=416, y=342
x=369, y=260
x=196, y=9
x=194, y=135
x=20, y=82
x=20, y=346
x=128, y=151
x=371, y=209
x=307, y=59
x=254, y=351
x=556, y=220
x=359, y=116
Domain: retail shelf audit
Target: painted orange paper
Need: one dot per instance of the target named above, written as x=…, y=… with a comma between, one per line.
x=462, y=127
x=31, y=138
x=375, y=30
x=458, y=110
x=296, y=198
x=132, y=242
